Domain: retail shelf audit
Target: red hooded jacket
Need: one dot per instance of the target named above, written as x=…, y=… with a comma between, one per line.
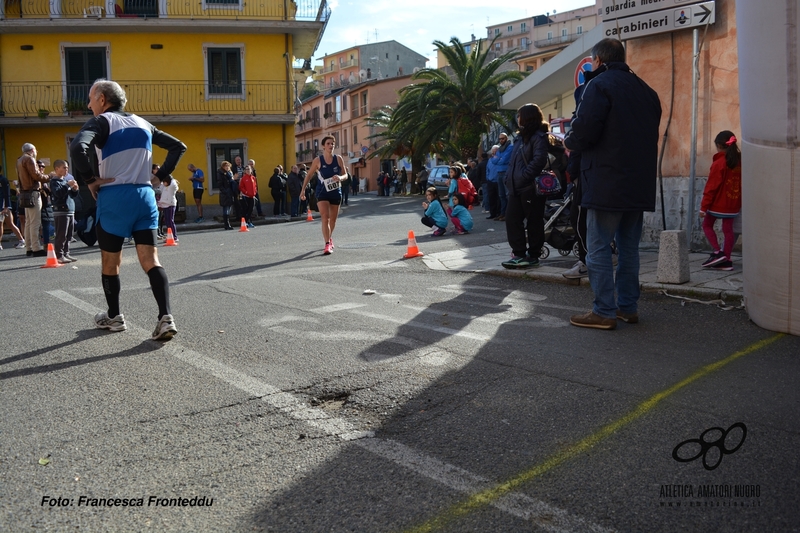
x=723, y=193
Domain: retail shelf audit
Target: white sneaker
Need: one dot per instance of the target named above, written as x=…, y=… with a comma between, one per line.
x=102, y=321
x=165, y=329
x=577, y=271
x=20, y=245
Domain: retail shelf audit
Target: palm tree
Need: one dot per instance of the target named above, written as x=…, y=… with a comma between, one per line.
x=461, y=107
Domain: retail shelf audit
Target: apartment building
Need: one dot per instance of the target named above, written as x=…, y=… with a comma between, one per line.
x=364, y=62
x=217, y=74
x=537, y=38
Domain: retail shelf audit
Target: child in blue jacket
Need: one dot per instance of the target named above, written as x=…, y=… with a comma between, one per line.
x=460, y=216
x=435, y=216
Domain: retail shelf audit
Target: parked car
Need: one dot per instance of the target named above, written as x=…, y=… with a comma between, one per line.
x=559, y=127
x=438, y=178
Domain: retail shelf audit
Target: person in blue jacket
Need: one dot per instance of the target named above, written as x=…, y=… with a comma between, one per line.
x=435, y=216
x=500, y=161
x=460, y=216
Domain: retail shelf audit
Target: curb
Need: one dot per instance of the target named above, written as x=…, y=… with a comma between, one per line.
x=675, y=290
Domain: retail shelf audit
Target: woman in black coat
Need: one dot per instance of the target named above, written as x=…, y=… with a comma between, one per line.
x=224, y=181
x=525, y=211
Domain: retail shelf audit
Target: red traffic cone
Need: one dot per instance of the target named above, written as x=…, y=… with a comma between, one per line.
x=170, y=238
x=309, y=218
x=52, y=261
x=413, y=250
x=243, y=227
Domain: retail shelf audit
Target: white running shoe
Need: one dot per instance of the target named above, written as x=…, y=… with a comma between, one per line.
x=102, y=321
x=577, y=271
x=165, y=329
x=20, y=245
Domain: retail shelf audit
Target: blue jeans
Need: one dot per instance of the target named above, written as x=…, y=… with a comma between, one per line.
x=603, y=227
x=294, y=210
x=502, y=192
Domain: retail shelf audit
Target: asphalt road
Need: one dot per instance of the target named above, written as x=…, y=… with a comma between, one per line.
x=291, y=401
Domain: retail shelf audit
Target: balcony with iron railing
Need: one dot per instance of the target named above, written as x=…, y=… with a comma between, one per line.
x=308, y=124
x=348, y=63
x=558, y=39
x=302, y=10
x=51, y=99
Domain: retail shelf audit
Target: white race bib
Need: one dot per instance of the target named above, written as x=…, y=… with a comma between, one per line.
x=331, y=185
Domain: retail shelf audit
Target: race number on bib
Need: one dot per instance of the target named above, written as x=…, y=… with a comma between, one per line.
x=331, y=185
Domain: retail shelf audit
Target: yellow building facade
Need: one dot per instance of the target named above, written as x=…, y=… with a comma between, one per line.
x=220, y=76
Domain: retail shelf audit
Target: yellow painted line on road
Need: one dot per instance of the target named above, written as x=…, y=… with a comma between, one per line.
x=488, y=496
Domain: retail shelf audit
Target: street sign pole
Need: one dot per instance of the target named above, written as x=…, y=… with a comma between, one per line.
x=693, y=148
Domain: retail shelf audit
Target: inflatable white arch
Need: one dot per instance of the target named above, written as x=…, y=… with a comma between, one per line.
x=769, y=72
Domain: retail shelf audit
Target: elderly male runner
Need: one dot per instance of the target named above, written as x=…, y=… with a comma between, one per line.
x=113, y=155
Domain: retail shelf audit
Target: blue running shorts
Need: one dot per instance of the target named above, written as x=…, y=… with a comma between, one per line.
x=123, y=209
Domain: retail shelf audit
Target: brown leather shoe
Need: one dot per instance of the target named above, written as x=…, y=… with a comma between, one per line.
x=591, y=320
x=629, y=318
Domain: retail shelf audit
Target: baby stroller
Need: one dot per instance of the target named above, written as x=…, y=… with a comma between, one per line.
x=558, y=230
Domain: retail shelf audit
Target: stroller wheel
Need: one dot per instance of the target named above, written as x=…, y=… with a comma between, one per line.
x=545, y=253
x=564, y=252
x=576, y=249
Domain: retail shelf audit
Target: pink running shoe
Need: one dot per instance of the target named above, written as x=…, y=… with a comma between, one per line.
x=328, y=249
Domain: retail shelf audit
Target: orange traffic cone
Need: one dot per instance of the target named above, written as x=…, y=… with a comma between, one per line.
x=309, y=218
x=413, y=251
x=170, y=238
x=52, y=261
x=243, y=227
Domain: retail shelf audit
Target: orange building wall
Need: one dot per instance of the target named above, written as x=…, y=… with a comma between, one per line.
x=718, y=90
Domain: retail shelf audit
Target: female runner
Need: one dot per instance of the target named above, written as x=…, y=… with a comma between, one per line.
x=329, y=195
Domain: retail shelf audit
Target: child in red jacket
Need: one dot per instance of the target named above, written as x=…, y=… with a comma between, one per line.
x=722, y=198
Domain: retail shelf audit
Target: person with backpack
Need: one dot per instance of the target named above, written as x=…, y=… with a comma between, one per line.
x=467, y=189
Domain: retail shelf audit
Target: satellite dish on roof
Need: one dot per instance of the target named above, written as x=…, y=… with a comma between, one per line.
x=362, y=74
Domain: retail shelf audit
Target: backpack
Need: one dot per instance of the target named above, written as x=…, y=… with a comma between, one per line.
x=466, y=188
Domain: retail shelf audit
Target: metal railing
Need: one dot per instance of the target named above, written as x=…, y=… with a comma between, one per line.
x=308, y=124
x=306, y=10
x=21, y=99
x=558, y=39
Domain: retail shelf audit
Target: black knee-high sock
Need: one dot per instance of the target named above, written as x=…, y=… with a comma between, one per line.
x=160, y=285
x=111, y=289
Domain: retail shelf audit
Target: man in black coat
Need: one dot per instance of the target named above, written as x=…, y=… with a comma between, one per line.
x=616, y=131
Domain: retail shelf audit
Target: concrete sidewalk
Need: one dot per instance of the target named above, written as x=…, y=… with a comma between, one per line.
x=704, y=283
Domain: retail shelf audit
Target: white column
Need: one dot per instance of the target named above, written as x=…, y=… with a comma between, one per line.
x=769, y=63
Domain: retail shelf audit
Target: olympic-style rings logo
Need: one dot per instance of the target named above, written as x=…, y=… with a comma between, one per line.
x=706, y=446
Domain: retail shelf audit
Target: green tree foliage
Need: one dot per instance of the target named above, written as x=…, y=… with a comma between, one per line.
x=446, y=112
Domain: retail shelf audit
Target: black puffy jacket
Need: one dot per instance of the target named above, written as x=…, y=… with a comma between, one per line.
x=616, y=131
x=521, y=176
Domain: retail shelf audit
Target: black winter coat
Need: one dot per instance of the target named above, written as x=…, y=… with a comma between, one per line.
x=615, y=129
x=224, y=180
x=521, y=176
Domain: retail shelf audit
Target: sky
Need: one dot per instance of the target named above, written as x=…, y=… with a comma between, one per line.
x=417, y=23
